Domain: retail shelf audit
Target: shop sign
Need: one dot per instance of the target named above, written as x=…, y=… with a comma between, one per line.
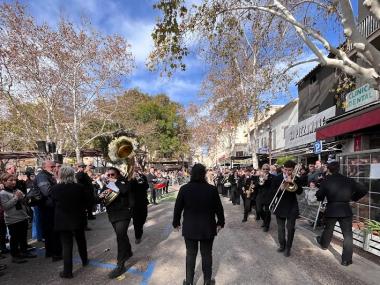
x=304, y=132
x=360, y=97
x=263, y=150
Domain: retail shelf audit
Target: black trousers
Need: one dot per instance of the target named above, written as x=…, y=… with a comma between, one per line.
x=345, y=224
x=235, y=195
x=290, y=227
x=247, y=207
x=3, y=234
x=124, y=250
x=140, y=214
x=191, y=257
x=67, y=247
x=53, y=246
x=263, y=212
x=153, y=195
x=18, y=237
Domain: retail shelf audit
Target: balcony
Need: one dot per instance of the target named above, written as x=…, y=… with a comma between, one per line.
x=367, y=28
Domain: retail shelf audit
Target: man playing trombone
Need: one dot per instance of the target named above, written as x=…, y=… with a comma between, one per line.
x=284, y=204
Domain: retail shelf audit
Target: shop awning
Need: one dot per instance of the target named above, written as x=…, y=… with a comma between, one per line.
x=362, y=119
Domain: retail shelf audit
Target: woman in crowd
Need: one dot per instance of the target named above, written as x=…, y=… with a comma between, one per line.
x=16, y=218
x=200, y=203
x=70, y=201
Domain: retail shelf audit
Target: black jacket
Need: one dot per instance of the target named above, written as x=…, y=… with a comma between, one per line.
x=288, y=206
x=247, y=183
x=44, y=181
x=85, y=180
x=151, y=179
x=200, y=203
x=264, y=191
x=339, y=191
x=70, y=202
x=121, y=208
x=140, y=188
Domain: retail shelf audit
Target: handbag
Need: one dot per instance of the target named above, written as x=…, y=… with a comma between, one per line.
x=227, y=184
x=34, y=197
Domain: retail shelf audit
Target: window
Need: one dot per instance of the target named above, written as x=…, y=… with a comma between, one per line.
x=285, y=128
x=240, y=153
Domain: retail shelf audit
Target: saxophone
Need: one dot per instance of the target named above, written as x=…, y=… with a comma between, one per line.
x=250, y=190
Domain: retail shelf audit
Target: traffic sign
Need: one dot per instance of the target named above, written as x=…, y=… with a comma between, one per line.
x=317, y=147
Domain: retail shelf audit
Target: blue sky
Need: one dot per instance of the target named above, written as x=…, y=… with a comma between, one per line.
x=134, y=19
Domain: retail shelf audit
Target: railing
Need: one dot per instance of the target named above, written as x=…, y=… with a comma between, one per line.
x=366, y=28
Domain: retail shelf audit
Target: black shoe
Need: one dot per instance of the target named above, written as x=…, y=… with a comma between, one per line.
x=91, y=218
x=117, y=272
x=346, y=263
x=318, y=240
x=187, y=283
x=87, y=229
x=244, y=220
x=56, y=258
x=27, y=255
x=287, y=252
x=265, y=229
x=18, y=260
x=263, y=226
x=85, y=263
x=30, y=248
x=65, y=275
x=48, y=254
x=281, y=249
x=210, y=282
x=138, y=240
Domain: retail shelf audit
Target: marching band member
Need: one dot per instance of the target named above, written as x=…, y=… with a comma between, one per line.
x=248, y=189
x=287, y=210
x=119, y=214
x=339, y=190
x=263, y=196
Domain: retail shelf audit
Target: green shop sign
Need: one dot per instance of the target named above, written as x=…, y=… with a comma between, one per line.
x=360, y=97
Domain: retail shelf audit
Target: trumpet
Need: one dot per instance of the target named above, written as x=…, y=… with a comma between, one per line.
x=262, y=179
x=285, y=185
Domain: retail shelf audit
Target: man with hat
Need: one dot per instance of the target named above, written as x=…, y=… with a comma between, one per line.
x=339, y=191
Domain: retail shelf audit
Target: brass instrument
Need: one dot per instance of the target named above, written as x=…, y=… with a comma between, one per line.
x=120, y=151
x=289, y=186
x=250, y=190
x=262, y=179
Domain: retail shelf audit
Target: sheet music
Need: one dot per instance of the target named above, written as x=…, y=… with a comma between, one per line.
x=113, y=187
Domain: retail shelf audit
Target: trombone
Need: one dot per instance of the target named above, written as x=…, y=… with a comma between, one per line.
x=284, y=186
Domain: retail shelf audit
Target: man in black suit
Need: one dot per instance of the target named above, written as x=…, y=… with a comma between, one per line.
x=119, y=214
x=152, y=178
x=287, y=210
x=83, y=178
x=248, y=190
x=262, y=201
x=140, y=210
x=339, y=190
x=200, y=203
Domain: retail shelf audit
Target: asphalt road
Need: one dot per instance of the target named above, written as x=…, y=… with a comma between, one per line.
x=243, y=254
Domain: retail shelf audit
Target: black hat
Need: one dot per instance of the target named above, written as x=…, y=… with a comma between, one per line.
x=29, y=171
x=82, y=165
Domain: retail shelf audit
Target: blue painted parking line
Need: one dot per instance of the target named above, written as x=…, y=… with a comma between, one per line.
x=147, y=274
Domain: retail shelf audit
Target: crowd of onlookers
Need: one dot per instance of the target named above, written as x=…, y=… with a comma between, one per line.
x=27, y=201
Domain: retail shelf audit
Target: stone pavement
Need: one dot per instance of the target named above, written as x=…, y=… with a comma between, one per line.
x=243, y=254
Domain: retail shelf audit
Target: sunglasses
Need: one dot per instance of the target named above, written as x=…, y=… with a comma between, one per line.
x=111, y=174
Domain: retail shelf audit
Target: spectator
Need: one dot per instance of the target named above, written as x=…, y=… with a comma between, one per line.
x=44, y=181
x=16, y=218
x=200, y=203
x=70, y=200
x=20, y=184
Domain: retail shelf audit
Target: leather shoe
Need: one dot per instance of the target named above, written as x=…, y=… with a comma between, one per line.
x=281, y=249
x=18, y=260
x=244, y=220
x=318, y=241
x=65, y=275
x=287, y=252
x=138, y=240
x=346, y=263
x=117, y=272
x=186, y=283
x=85, y=262
x=210, y=282
x=265, y=229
